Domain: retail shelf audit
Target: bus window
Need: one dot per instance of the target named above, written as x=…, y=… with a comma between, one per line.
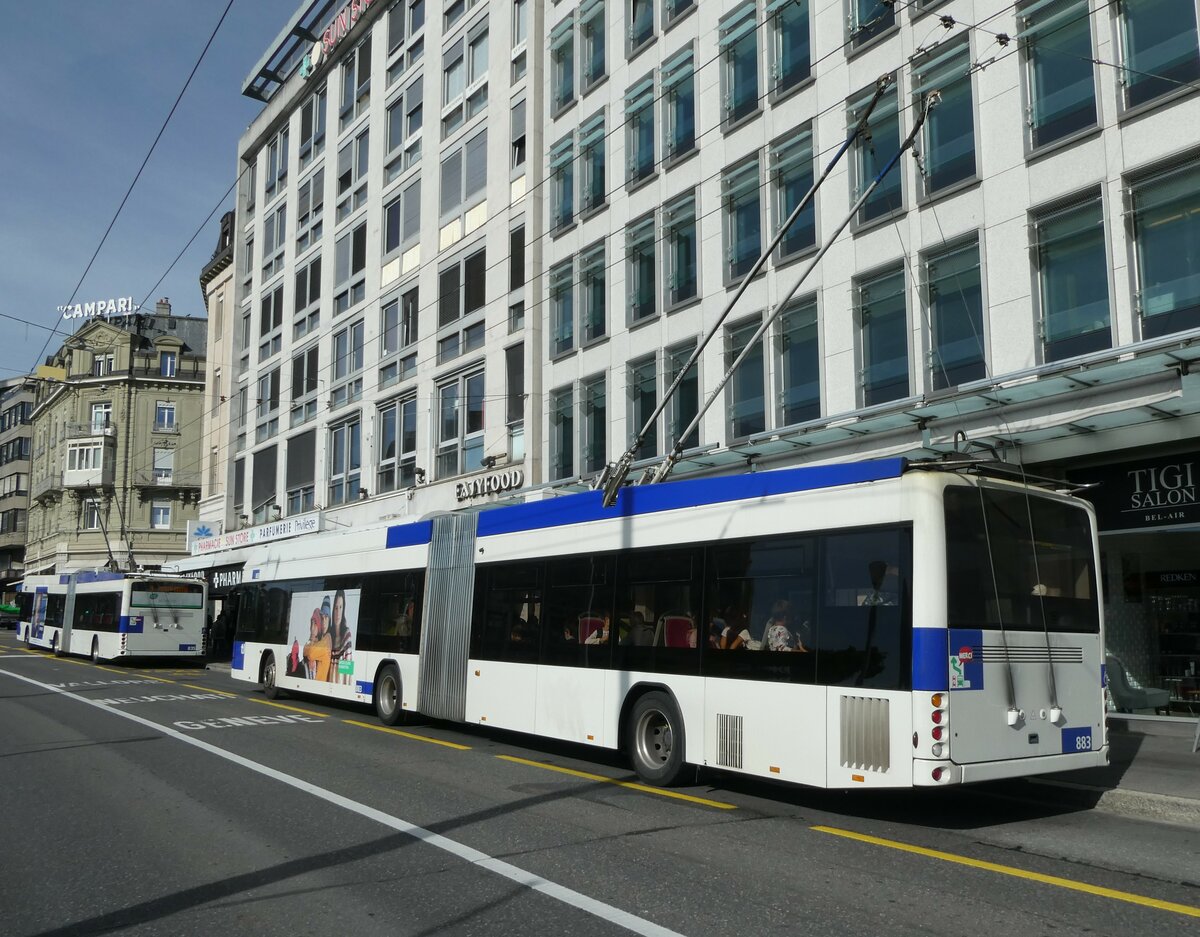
x=658, y=611
x=98, y=611
x=578, y=620
x=864, y=624
x=508, y=612
x=389, y=619
x=761, y=597
x=1026, y=564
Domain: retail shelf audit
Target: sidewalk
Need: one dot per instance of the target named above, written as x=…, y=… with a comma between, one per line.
x=1152, y=773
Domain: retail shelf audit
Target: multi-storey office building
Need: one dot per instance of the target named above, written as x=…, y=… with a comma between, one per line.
x=1031, y=280
x=388, y=189
x=536, y=210
x=117, y=444
x=16, y=408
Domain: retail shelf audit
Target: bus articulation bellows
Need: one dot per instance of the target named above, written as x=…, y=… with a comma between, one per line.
x=877, y=624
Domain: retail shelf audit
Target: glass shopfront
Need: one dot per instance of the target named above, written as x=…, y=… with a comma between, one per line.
x=1149, y=519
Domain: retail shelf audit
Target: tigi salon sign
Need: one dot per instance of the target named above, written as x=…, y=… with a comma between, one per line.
x=337, y=30
x=1144, y=494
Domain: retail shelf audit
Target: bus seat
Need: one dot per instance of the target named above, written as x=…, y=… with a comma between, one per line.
x=589, y=625
x=679, y=630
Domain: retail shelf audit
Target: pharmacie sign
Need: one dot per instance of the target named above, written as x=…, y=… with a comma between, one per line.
x=1145, y=494
x=337, y=30
x=263, y=533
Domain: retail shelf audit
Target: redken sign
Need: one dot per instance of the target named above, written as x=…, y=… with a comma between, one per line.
x=1145, y=494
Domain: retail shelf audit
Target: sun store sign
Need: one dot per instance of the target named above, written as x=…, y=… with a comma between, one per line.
x=337, y=30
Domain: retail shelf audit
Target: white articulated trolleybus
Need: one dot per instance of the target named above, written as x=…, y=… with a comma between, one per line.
x=879, y=624
x=113, y=615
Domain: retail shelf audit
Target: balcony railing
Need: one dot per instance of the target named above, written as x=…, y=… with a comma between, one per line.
x=52, y=482
x=167, y=480
x=92, y=428
x=165, y=426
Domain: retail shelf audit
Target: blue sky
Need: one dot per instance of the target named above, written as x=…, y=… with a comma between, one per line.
x=87, y=84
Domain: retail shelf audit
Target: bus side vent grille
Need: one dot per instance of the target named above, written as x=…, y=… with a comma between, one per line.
x=865, y=733
x=997, y=653
x=729, y=741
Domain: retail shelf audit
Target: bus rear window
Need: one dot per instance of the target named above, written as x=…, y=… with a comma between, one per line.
x=1018, y=561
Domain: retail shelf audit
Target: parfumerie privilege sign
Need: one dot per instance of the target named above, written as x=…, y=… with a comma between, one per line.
x=337, y=30
x=277, y=530
x=1145, y=494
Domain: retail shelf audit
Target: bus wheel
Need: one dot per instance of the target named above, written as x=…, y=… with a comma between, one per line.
x=387, y=696
x=270, y=689
x=54, y=645
x=656, y=739
x=95, y=650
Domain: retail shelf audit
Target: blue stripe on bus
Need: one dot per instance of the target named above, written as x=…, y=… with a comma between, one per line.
x=93, y=576
x=131, y=624
x=652, y=499
x=364, y=687
x=1103, y=675
x=929, y=661
x=407, y=535
x=239, y=655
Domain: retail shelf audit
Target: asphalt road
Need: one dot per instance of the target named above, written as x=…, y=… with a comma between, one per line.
x=143, y=800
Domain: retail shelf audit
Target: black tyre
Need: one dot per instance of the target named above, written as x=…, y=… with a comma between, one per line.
x=655, y=739
x=95, y=650
x=54, y=645
x=387, y=696
x=270, y=688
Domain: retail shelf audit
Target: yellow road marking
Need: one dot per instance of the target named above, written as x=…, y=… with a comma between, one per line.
x=1055, y=880
x=407, y=735
x=645, y=788
x=295, y=709
x=205, y=689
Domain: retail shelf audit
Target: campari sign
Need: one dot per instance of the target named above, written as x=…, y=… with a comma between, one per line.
x=337, y=30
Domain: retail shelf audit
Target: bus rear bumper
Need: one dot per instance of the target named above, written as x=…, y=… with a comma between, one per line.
x=1024, y=767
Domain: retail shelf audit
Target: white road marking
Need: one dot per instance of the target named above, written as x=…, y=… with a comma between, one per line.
x=530, y=880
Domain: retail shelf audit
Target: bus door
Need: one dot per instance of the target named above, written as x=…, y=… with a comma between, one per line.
x=37, y=621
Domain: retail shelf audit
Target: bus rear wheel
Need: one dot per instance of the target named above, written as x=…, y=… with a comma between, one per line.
x=386, y=696
x=54, y=645
x=95, y=650
x=269, y=686
x=656, y=739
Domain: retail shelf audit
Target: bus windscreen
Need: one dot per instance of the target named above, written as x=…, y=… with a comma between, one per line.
x=1019, y=562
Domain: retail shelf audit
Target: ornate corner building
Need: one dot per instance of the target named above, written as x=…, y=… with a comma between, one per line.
x=116, y=454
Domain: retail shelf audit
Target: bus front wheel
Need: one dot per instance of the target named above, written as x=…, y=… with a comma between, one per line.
x=269, y=686
x=387, y=696
x=95, y=650
x=656, y=740
x=54, y=645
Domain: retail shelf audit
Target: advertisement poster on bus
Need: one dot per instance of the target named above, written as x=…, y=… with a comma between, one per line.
x=321, y=635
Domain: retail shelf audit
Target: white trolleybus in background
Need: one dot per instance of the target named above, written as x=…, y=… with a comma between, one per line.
x=113, y=615
x=878, y=624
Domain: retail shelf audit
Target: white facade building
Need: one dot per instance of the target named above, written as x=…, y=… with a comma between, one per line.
x=479, y=237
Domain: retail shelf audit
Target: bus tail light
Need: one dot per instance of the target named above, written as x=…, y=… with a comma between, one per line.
x=938, y=733
x=938, y=773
